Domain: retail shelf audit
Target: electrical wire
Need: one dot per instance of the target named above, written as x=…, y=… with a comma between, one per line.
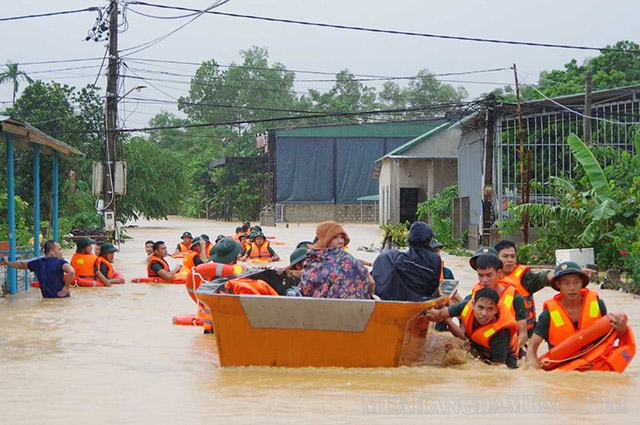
x=43, y=15
x=267, y=120
x=144, y=46
x=393, y=32
x=580, y=114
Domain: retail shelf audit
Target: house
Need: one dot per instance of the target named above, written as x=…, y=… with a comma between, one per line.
x=325, y=172
x=417, y=170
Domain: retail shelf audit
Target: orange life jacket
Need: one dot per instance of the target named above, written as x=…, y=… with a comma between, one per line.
x=260, y=251
x=101, y=260
x=441, y=270
x=188, y=259
x=83, y=265
x=483, y=334
x=207, y=249
x=506, y=298
x=183, y=247
x=515, y=279
x=155, y=259
x=245, y=286
x=560, y=324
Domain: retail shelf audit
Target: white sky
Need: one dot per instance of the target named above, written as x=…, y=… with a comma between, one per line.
x=584, y=22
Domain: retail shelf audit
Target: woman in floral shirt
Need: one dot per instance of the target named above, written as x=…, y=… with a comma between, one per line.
x=330, y=271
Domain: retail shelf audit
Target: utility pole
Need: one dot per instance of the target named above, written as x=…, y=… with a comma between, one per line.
x=523, y=186
x=587, y=108
x=487, y=189
x=111, y=149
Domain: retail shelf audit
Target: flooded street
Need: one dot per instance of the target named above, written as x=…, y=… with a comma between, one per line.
x=113, y=356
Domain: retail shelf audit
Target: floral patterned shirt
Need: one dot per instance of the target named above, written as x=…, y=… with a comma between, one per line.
x=334, y=273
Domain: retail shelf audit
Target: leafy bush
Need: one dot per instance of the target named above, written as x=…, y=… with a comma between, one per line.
x=597, y=208
x=437, y=212
x=395, y=235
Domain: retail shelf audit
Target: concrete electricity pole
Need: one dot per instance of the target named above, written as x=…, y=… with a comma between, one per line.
x=111, y=149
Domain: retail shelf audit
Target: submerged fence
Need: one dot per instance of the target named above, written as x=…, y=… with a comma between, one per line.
x=615, y=116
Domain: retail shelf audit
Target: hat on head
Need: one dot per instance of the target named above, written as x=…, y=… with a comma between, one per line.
x=186, y=235
x=297, y=256
x=257, y=228
x=205, y=237
x=256, y=234
x=225, y=250
x=481, y=251
x=105, y=248
x=84, y=242
x=218, y=238
x=246, y=223
x=243, y=235
x=252, y=235
x=328, y=230
x=435, y=244
x=238, y=229
x=195, y=241
x=565, y=268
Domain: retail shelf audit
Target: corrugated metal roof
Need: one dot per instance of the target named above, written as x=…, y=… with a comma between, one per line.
x=381, y=129
x=26, y=133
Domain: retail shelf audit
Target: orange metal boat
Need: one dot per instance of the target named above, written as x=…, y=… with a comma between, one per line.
x=298, y=331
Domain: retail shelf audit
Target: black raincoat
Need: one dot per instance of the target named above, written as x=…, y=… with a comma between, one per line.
x=412, y=275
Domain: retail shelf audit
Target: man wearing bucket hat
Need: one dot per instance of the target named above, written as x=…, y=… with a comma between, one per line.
x=83, y=259
x=575, y=308
x=185, y=245
x=225, y=251
x=103, y=267
x=437, y=247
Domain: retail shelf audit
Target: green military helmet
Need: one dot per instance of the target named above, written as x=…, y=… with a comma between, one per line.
x=565, y=268
x=481, y=251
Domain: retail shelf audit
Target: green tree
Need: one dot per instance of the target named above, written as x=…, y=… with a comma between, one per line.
x=609, y=69
x=155, y=181
x=13, y=75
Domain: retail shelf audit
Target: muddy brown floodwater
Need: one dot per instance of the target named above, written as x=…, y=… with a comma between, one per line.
x=112, y=356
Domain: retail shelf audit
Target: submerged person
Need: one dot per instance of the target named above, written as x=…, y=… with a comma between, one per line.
x=103, y=267
x=260, y=249
x=487, y=323
x=183, y=246
x=197, y=254
x=49, y=270
x=412, y=275
x=148, y=248
x=158, y=266
x=83, y=259
x=520, y=277
x=575, y=308
x=330, y=271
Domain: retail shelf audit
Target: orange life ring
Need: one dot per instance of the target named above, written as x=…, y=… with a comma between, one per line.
x=208, y=271
x=180, y=255
x=584, y=352
x=275, y=242
x=187, y=320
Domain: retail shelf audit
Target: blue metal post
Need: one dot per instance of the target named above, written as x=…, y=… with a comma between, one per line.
x=36, y=200
x=11, y=272
x=54, y=189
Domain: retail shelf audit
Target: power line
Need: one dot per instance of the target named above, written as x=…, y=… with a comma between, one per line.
x=42, y=15
x=265, y=120
x=394, y=32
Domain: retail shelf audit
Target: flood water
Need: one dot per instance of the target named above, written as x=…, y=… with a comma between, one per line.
x=112, y=356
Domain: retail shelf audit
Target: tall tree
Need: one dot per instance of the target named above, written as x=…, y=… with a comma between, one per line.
x=13, y=75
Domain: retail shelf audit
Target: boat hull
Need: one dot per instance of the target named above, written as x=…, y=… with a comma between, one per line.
x=257, y=330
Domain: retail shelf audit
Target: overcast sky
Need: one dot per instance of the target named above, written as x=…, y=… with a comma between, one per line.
x=584, y=22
